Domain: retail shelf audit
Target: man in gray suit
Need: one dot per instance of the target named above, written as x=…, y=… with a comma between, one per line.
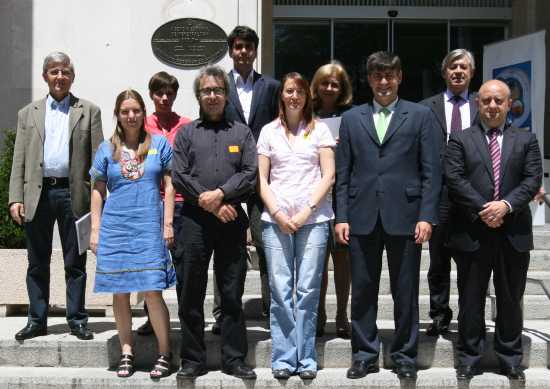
x=57, y=137
x=454, y=110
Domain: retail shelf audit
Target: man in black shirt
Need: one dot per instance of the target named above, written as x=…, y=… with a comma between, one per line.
x=214, y=167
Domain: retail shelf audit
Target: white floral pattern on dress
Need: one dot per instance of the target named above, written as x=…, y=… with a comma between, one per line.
x=131, y=168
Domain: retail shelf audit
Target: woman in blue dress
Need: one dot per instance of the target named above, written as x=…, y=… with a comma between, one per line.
x=131, y=233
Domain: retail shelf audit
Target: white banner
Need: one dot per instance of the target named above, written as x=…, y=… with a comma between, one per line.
x=521, y=63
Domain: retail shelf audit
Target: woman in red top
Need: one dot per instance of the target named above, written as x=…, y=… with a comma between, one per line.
x=163, y=89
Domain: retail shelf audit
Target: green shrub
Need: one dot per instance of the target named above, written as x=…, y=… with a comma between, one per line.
x=12, y=236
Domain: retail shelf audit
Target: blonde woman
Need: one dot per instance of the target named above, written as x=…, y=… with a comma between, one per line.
x=127, y=234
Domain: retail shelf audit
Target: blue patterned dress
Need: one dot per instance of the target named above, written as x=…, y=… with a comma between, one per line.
x=131, y=253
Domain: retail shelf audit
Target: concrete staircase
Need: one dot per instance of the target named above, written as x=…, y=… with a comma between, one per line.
x=59, y=360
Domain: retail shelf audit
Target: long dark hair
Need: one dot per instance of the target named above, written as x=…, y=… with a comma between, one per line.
x=118, y=137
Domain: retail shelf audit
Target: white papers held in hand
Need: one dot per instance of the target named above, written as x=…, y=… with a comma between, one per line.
x=83, y=230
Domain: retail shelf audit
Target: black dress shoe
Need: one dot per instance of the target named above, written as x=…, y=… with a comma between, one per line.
x=514, y=373
x=281, y=374
x=216, y=328
x=359, y=369
x=406, y=371
x=145, y=329
x=438, y=327
x=191, y=371
x=240, y=371
x=465, y=372
x=82, y=332
x=31, y=330
x=308, y=374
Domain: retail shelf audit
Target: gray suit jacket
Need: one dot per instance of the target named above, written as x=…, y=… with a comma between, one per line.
x=28, y=155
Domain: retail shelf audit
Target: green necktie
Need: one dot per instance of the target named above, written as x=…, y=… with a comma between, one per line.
x=382, y=123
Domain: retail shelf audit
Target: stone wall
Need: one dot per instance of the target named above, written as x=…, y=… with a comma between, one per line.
x=109, y=42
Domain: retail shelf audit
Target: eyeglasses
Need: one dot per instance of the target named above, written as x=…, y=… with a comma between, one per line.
x=218, y=91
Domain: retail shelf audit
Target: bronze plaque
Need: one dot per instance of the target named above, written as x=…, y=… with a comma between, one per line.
x=189, y=43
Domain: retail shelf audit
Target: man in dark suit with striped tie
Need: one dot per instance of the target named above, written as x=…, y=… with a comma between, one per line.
x=454, y=110
x=492, y=171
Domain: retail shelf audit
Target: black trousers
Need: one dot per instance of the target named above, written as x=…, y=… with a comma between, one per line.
x=404, y=267
x=54, y=205
x=439, y=274
x=255, y=208
x=203, y=234
x=509, y=268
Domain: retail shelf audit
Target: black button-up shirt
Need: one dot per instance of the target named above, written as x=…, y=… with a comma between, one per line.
x=210, y=155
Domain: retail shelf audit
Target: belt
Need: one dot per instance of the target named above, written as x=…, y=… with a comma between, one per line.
x=56, y=181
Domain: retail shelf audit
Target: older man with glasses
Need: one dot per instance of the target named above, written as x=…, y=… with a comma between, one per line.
x=214, y=168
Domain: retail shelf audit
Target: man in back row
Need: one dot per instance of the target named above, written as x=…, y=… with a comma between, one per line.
x=253, y=101
x=453, y=110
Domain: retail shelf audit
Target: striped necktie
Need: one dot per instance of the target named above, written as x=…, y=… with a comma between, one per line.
x=494, y=150
x=382, y=123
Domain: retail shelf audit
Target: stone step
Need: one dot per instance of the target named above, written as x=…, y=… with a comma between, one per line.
x=58, y=349
x=535, y=307
x=94, y=378
x=540, y=260
x=252, y=284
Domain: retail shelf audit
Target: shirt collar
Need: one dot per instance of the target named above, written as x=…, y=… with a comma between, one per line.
x=237, y=77
x=486, y=128
x=449, y=95
x=390, y=107
x=62, y=105
x=222, y=124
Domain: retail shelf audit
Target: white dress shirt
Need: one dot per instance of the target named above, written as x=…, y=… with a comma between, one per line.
x=56, y=134
x=244, y=91
x=464, y=110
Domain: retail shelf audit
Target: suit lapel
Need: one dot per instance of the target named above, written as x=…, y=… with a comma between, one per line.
x=438, y=108
x=483, y=149
x=508, y=139
x=473, y=108
x=257, y=92
x=39, y=117
x=75, y=113
x=397, y=119
x=234, y=97
x=368, y=123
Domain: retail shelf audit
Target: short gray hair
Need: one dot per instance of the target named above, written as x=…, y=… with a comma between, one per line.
x=457, y=54
x=214, y=71
x=57, y=57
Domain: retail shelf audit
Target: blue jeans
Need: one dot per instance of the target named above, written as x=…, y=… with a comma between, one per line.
x=294, y=262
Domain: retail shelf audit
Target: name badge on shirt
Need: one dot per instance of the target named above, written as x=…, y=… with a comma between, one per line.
x=152, y=151
x=234, y=149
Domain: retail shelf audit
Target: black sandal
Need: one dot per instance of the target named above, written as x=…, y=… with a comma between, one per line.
x=162, y=367
x=125, y=366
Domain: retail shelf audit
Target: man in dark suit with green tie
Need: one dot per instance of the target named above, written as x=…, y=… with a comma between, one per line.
x=388, y=180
